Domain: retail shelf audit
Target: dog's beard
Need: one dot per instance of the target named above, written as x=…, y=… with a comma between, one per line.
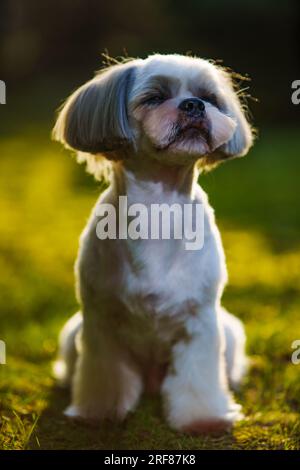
x=191, y=137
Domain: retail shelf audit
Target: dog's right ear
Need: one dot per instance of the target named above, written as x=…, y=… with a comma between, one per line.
x=94, y=118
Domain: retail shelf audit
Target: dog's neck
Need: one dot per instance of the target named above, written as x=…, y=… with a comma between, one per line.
x=151, y=181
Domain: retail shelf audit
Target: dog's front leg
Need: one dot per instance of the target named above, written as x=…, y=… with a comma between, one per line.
x=195, y=390
x=104, y=385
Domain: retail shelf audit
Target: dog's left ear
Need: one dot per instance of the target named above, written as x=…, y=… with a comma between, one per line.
x=243, y=137
x=94, y=118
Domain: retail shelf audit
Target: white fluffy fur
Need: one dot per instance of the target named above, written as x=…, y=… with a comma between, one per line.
x=148, y=304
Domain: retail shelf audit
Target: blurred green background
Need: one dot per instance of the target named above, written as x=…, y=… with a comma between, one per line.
x=49, y=48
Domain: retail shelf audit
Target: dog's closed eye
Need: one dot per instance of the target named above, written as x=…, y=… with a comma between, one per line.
x=154, y=100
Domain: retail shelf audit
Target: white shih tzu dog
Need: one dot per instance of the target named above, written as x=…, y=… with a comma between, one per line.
x=151, y=317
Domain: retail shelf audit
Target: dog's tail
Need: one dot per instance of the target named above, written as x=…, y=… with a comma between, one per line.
x=69, y=339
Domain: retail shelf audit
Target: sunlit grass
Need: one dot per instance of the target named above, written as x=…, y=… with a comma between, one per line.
x=45, y=199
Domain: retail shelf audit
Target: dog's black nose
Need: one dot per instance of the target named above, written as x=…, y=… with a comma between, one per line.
x=192, y=106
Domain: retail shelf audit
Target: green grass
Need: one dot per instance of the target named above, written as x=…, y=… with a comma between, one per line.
x=45, y=199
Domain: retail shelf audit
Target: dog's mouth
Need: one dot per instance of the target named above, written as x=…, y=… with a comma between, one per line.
x=191, y=131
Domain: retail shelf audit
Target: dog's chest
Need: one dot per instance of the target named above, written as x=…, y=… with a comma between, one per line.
x=162, y=279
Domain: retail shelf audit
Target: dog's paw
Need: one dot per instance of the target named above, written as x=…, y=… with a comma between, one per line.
x=74, y=413
x=208, y=426
x=213, y=424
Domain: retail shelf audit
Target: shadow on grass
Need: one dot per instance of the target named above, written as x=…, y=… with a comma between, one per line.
x=54, y=431
x=144, y=429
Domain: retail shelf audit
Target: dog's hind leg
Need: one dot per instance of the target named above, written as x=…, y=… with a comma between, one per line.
x=235, y=356
x=68, y=350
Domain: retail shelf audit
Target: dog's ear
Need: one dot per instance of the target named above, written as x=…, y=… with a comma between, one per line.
x=94, y=118
x=242, y=138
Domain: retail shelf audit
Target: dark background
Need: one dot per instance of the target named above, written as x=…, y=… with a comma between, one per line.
x=55, y=45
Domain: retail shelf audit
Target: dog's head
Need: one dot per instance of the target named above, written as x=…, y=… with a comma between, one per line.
x=175, y=109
